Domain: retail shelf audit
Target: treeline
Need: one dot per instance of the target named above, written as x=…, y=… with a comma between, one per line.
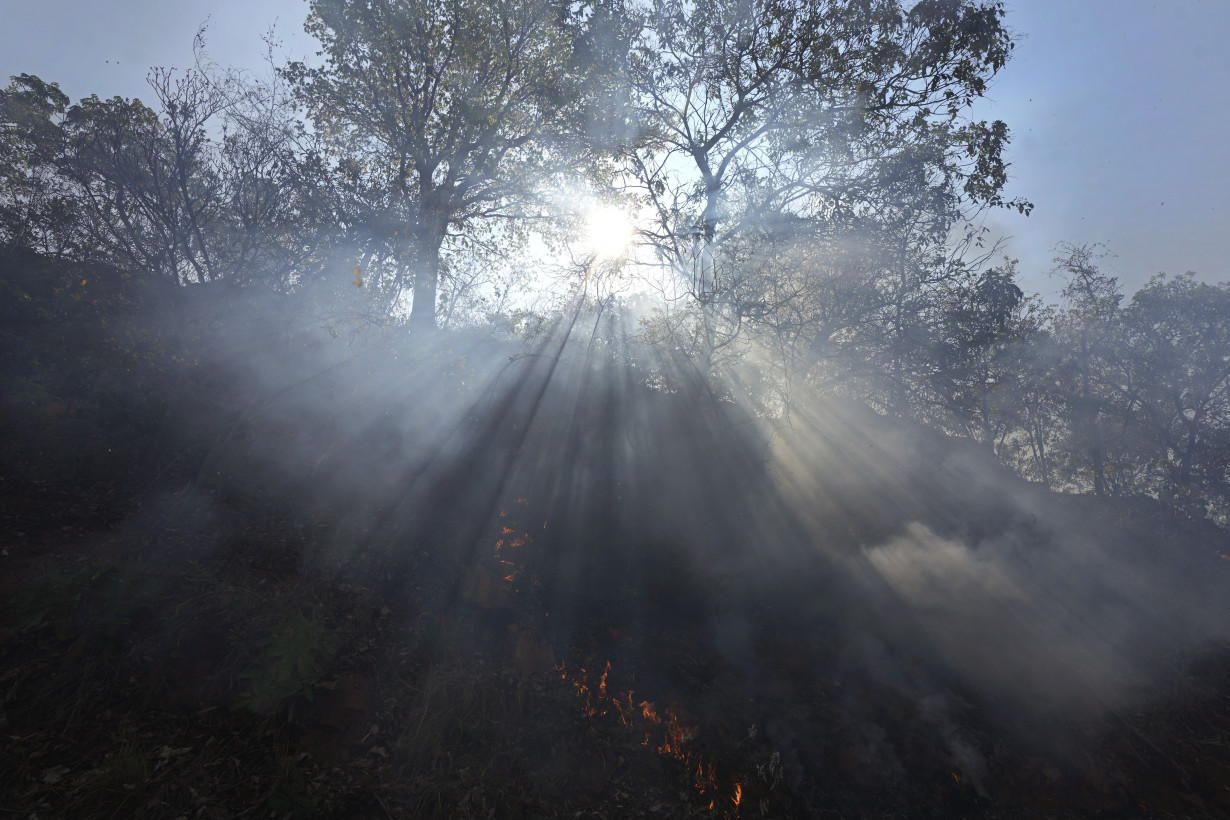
x=214, y=186
x=799, y=171
x=1097, y=393
x=433, y=136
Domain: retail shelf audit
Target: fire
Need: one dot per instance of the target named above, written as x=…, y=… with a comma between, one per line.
x=677, y=738
x=581, y=686
x=705, y=782
x=643, y=717
x=509, y=538
x=623, y=706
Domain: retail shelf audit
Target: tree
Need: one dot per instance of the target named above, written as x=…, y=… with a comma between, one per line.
x=1038, y=404
x=440, y=114
x=766, y=118
x=979, y=357
x=1087, y=332
x=1177, y=373
x=148, y=188
x=277, y=201
x=34, y=210
x=219, y=183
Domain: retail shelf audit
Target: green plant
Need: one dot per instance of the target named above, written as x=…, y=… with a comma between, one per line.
x=289, y=663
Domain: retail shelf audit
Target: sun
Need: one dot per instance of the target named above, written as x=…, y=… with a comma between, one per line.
x=608, y=231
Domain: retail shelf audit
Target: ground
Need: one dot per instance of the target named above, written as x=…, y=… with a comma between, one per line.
x=212, y=609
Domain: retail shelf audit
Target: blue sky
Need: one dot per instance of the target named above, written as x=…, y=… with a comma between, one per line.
x=1119, y=109
x=1120, y=115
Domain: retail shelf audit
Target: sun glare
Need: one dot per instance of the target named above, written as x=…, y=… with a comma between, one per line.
x=608, y=231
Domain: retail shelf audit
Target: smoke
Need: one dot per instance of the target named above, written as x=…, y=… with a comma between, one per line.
x=658, y=482
x=990, y=579
x=820, y=568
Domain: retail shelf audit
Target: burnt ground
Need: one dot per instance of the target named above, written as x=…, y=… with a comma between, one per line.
x=233, y=684
x=210, y=612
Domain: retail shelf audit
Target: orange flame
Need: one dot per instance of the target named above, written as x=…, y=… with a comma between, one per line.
x=625, y=717
x=676, y=737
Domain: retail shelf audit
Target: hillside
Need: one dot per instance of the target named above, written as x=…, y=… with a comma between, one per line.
x=262, y=556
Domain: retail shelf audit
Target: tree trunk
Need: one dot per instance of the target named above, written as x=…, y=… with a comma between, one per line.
x=426, y=285
x=427, y=277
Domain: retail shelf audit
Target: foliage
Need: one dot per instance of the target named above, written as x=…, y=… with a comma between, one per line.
x=439, y=700
x=979, y=355
x=811, y=171
x=218, y=183
x=35, y=211
x=208, y=429
x=439, y=115
x=289, y=662
x=773, y=123
x=1177, y=385
x=161, y=192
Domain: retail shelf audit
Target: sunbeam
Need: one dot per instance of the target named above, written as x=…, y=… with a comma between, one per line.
x=613, y=409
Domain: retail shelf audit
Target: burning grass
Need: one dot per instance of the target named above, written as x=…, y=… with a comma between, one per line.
x=663, y=731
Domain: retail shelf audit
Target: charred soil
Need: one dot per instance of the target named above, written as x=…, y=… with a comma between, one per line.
x=210, y=610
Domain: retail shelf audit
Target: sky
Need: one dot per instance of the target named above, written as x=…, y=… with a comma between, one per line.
x=1119, y=110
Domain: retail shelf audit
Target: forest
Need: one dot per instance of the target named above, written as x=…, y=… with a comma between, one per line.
x=602, y=408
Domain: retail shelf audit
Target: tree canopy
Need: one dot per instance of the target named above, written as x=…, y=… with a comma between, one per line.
x=806, y=175
x=770, y=122
x=440, y=114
